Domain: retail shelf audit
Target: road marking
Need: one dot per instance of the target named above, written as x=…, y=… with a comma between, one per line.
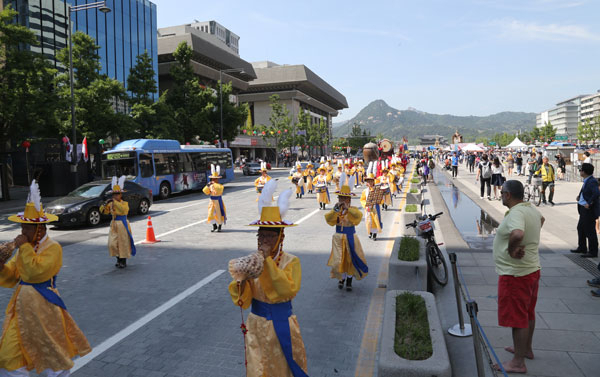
x=307, y=216
x=365, y=365
x=175, y=230
x=108, y=343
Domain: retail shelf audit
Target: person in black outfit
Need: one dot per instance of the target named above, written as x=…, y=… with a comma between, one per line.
x=484, y=175
x=588, y=206
x=471, y=162
x=519, y=161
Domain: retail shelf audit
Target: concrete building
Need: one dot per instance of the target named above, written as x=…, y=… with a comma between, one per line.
x=226, y=36
x=590, y=108
x=430, y=140
x=564, y=117
x=125, y=32
x=298, y=88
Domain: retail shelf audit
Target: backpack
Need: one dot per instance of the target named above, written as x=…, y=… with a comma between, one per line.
x=486, y=170
x=431, y=164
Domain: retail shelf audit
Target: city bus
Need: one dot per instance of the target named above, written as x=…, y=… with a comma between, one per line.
x=164, y=166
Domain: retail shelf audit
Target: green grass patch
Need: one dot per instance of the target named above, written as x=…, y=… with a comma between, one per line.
x=412, y=340
x=414, y=190
x=411, y=208
x=409, y=249
x=415, y=180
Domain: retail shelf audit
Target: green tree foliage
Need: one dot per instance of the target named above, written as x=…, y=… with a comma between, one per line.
x=141, y=83
x=95, y=94
x=358, y=138
x=27, y=96
x=303, y=127
x=548, y=132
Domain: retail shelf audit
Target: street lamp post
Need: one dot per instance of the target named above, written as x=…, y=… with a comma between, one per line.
x=221, y=71
x=101, y=6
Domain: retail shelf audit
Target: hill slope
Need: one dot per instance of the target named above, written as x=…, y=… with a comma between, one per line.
x=378, y=117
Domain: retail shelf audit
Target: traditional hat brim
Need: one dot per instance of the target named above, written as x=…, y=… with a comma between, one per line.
x=351, y=195
x=44, y=220
x=270, y=225
x=217, y=177
x=115, y=192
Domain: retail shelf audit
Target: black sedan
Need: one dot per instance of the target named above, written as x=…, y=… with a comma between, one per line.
x=82, y=206
x=251, y=168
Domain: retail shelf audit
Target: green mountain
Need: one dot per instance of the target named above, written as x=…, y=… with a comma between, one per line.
x=379, y=118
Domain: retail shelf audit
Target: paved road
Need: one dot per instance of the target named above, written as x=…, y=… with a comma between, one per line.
x=199, y=334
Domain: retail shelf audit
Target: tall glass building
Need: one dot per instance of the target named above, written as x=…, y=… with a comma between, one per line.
x=122, y=34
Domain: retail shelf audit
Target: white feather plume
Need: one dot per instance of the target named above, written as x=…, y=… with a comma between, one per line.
x=370, y=167
x=122, y=182
x=351, y=182
x=283, y=202
x=34, y=195
x=114, y=182
x=266, y=195
x=218, y=170
x=212, y=169
x=343, y=178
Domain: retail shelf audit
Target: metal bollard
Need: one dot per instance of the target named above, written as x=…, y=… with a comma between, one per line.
x=460, y=329
x=472, y=309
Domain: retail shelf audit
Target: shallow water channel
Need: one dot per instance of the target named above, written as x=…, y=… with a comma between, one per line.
x=475, y=225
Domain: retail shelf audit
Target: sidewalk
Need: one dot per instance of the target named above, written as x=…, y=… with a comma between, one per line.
x=567, y=337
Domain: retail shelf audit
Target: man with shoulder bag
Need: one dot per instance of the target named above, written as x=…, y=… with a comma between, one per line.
x=588, y=207
x=484, y=171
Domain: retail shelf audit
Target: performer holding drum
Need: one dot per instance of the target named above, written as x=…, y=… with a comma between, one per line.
x=347, y=259
x=309, y=175
x=321, y=187
x=120, y=240
x=261, y=181
x=385, y=182
x=338, y=175
x=370, y=199
x=268, y=280
x=217, y=214
x=298, y=180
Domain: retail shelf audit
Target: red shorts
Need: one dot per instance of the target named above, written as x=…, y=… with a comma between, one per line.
x=517, y=297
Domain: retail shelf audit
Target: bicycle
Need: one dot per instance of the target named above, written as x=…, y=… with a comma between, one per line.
x=531, y=191
x=436, y=263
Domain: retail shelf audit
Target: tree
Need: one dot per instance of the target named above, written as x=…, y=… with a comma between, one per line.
x=535, y=134
x=358, y=138
x=303, y=129
x=95, y=94
x=548, y=132
x=141, y=82
x=27, y=95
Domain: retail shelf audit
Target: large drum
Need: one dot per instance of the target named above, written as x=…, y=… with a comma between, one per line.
x=321, y=189
x=385, y=189
x=259, y=189
x=295, y=180
x=370, y=152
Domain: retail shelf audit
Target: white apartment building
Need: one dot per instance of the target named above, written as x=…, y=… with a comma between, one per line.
x=229, y=38
x=590, y=107
x=564, y=117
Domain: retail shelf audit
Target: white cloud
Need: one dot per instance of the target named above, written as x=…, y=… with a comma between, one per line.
x=530, y=5
x=549, y=32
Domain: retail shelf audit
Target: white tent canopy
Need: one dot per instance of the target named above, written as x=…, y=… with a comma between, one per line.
x=472, y=148
x=516, y=144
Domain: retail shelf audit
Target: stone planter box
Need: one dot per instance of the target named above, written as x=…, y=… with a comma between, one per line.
x=409, y=276
x=392, y=365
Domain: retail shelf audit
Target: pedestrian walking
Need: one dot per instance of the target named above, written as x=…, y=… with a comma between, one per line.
x=274, y=346
x=531, y=166
x=510, y=165
x=588, y=158
x=38, y=331
x=588, y=207
x=120, y=240
x=217, y=213
x=484, y=176
x=516, y=256
x=497, y=177
x=562, y=166
x=454, y=165
x=261, y=181
x=519, y=163
x=471, y=162
x=347, y=259
x=548, y=178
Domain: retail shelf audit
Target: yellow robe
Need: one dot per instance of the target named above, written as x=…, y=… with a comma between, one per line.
x=321, y=180
x=36, y=333
x=119, y=244
x=309, y=174
x=329, y=174
x=391, y=178
x=261, y=181
x=371, y=219
x=300, y=184
x=214, y=209
x=361, y=175
x=340, y=259
x=385, y=180
x=276, y=284
x=336, y=179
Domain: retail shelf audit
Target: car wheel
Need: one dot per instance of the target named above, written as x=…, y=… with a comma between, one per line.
x=165, y=190
x=245, y=172
x=93, y=217
x=144, y=207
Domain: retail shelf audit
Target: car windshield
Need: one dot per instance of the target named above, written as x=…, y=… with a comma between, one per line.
x=126, y=167
x=253, y=165
x=88, y=191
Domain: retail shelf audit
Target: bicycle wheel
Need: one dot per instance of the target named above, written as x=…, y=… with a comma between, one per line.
x=436, y=264
x=526, y=194
x=536, y=198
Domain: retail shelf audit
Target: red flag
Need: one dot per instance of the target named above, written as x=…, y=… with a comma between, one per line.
x=84, y=149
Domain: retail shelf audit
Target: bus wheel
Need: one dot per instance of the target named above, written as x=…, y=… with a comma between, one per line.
x=165, y=190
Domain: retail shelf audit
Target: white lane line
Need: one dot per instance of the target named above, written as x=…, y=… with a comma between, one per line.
x=108, y=343
x=307, y=216
x=182, y=207
x=175, y=230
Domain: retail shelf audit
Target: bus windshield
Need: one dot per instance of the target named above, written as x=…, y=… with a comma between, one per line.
x=126, y=167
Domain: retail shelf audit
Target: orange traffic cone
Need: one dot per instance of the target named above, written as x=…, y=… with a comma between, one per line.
x=150, y=238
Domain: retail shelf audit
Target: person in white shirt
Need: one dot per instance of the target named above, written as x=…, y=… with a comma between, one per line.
x=588, y=159
x=497, y=177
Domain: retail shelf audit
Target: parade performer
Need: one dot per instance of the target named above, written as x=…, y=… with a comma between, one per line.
x=120, y=240
x=338, y=175
x=347, y=259
x=268, y=280
x=385, y=182
x=348, y=169
x=329, y=171
x=38, y=331
x=357, y=169
x=261, y=181
x=321, y=187
x=309, y=175
x=298, y=180
x=217, y=214
x=372, y=210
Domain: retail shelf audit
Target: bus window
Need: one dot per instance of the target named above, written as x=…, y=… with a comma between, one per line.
x=146, y=169
x=199, y=160
x=224, y=159
x=161, y=164
x=185, y=163
x=119, y=167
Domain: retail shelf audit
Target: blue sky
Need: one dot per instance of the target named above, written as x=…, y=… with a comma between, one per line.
x=457, y=57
